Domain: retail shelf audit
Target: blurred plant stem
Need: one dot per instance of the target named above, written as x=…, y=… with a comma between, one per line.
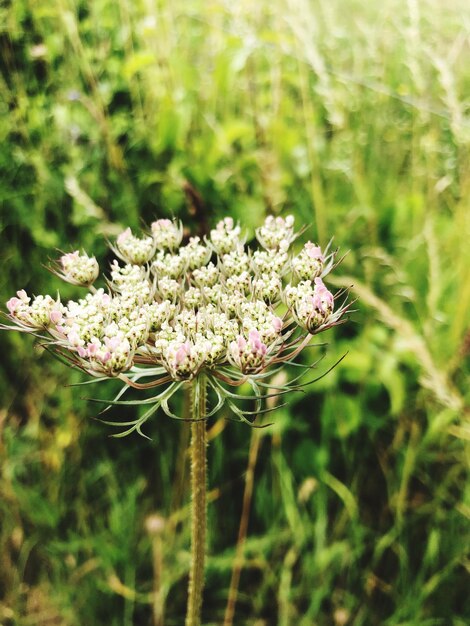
x=199, y=504
x=253, y=453
x=155, y=525
x=181, y=467
x=243, y=528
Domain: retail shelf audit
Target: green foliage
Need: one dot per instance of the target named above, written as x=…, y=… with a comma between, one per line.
x=354, y=117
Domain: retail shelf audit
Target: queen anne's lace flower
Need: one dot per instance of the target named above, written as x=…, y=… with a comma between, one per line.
x=173, y=312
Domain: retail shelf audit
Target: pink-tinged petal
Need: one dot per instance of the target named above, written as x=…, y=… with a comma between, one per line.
x=22, y=295
x=74, y=338
x=323, y=292
x=70, y=257
x=106, y=299
x=61, y=329
x=124, y=235
x=241, y=343
x=113, y=343
x=317, y=302
x=163, y=223
x=313, y=251
x=92, y=348
x=255, y=340
x=277, y=324
x=181, y=354
x=13, y=304
x=81, y=351
x=104, y=358
x=56, y=316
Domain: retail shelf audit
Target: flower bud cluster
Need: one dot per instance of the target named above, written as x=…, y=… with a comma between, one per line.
x=37, y=315
x=166, y=234
x=309, y=264
x=276, y=233
x=79, y=269
x=209, y=304
x=195, y=253
x=225, y=237
x=311, y=306
x=249, y=355
x=134, y=250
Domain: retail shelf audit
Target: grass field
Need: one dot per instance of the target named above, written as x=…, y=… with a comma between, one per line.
x=354, y=117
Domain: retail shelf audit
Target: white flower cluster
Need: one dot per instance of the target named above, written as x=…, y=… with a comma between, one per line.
x=78, y=269
x=211, y=304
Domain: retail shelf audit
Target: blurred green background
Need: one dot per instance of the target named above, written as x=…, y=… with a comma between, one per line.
x=353, y=116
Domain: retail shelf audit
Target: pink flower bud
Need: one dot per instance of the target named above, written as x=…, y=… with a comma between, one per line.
x=13, y=304
x=113, y=343
x=323, y=292
x=104, y=358
x=163, y=223
x=256, y=345
x=22, y=295
x=277, y=324
x=241, y=343
x=69, y=258
x=124, y=235
x=92, y=348
x=317, y=302
x=81, y=351
x=74, y=338
x=56, y=316
x=182, y=352
x=254, y=339
x=313, y=251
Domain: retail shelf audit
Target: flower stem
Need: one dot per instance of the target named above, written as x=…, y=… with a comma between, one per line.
x=198, y=510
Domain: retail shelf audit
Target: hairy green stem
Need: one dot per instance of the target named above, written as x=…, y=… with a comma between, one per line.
x=199, y=505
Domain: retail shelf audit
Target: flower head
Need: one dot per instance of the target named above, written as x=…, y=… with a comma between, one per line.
x=173, y=312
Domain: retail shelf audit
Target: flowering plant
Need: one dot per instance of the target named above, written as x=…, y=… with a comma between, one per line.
x=214, y=313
